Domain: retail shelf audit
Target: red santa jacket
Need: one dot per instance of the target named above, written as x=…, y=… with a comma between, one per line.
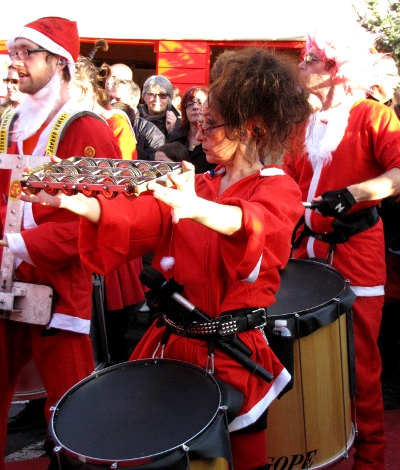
x=369, y=147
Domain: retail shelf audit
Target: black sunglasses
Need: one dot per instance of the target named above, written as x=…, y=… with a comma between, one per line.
x=13, y=81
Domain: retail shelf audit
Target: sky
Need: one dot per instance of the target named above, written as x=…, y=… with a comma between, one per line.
x=208, y=19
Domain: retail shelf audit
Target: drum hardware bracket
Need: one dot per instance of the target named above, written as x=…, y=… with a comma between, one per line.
x=22, y=302
x=341, y=366
x=7, y=299
x=185, y=449
x=210, y=358
x=156, y=350
x=297, y=317
x=56, y=450
x=355, y=417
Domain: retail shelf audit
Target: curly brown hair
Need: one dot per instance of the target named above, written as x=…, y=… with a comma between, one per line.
x=257, y=90
x=87, y=73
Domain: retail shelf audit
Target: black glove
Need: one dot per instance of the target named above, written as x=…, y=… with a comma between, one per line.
x=336, y=203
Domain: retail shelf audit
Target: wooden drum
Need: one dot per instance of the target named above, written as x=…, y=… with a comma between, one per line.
x=310, y=426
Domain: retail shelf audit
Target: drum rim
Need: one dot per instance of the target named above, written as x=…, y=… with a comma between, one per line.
x=322, y=305
x=146, y=459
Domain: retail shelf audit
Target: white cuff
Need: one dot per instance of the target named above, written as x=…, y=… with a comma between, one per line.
x=17, y=247
x=67, y=322
x=374, y=291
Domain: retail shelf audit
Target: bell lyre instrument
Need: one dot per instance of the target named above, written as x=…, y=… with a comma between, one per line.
x=105, y=176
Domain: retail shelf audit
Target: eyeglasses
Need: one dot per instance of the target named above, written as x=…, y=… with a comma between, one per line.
x=13, y=81
x=192, y=103
x=24, y=53
x=309, y=60
x=162, y=96
x=203, y=130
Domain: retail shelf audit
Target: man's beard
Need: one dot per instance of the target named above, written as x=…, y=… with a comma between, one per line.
x=325, y=131
x=35, y=109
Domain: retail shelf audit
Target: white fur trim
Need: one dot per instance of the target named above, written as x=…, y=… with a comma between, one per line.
x=17, y=247
x=325, y=131
x=43, y=41
x=272, y=172
x=29, y=221
x=374, y=291
x=310, y=247
x=67, y=322
x=167, y=263
x=254, y=274
x=251, y=416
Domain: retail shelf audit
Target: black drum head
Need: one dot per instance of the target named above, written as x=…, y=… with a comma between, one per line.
x=306, y=286
x=136, y=410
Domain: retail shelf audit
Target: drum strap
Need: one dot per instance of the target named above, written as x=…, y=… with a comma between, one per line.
x=343, y=228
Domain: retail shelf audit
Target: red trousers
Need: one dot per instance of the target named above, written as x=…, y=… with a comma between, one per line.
x=249, y=450
x=370, y=442
x=62, y=360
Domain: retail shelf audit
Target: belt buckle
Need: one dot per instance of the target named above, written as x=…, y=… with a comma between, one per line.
x=264, y=316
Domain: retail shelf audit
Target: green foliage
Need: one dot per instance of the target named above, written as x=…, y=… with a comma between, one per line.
x=388, y=25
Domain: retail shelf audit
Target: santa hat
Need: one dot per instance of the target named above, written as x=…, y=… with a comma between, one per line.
x=58, y=35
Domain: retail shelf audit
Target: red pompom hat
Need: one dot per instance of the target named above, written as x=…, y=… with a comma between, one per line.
x=58, y=35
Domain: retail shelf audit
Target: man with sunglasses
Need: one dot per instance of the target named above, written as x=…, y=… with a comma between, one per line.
x=349, y=162
x=158, y=94
x=44, y=53
x=14, y=96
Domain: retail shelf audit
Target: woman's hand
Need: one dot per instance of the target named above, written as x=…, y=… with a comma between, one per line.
x=170, y=121
x=183, y=199
x=89, y=208
x=42, y=198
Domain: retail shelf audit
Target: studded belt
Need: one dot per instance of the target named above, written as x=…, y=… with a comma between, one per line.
x=225, y=325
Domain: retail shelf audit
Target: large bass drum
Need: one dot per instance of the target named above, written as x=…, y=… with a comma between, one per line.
x=310, y=426
x=145, y=414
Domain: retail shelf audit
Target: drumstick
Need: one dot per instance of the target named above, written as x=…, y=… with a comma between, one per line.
x=310, y=205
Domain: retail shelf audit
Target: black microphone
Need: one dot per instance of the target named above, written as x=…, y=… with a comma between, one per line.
x=152, y=278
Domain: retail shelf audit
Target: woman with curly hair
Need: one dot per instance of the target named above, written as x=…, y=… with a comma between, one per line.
x=224, y=235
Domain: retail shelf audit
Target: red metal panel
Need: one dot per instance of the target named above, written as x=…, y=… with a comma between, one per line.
x=176, y=75
x=198, y=47
x=192, y=61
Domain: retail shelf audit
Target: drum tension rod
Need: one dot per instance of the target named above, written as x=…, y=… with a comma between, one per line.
x=185, y=449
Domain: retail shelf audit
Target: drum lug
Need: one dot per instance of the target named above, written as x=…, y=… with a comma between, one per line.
x=114, y=465
x=157, y=348
x=185, y=449
x=56, y=450
x=210, y=358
